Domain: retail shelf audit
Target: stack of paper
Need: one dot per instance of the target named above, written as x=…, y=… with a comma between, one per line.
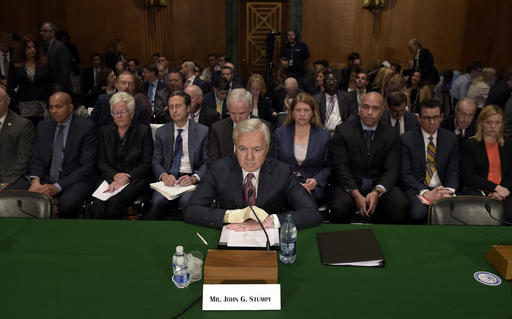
x=253, y=238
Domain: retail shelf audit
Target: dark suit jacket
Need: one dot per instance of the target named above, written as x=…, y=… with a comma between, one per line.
x=80, y=152
x=16, y=143
x=426, y=66
x=160, y=86
x=499, y=93
x=87, y=81
x=221, y=139
x=210, y=102
x=347, y=105
x=205, y=87
x=449, y=124
x=164, y=148
x=265, y=109
x=207, y=116
x=474, y=166
x=59, y=60
x=101, y=112
x=160, y=111
x=278, y=192
x=410, y=120
x=350, y=162
x=30, y=91
x=316, y=165
x=412, y=153
x=134, y=158
x=279, y=96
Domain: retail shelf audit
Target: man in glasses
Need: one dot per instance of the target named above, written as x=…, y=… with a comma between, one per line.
x=462, y=123
x=430, y=161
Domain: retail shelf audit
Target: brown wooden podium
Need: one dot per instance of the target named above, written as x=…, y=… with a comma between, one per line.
x=240, y=267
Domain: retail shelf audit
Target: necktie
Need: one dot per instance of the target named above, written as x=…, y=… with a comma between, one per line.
x=368, y=136
x=1, y=125
x=219, y=107
x=397, y=126
x=6, y=64
x=192, y=117
x=248, y=186
x=431, y=161
x=329, y=109
x=58, y=154
x=176, y=159
x=150, y=93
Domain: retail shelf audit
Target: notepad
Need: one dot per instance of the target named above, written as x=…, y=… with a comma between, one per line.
x=100, y=194
x=252, y=238
x=171, y=192
x=350, y=248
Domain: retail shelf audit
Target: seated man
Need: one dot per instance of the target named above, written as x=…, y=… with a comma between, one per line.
x=462, y=122
x=174, y=83
x=16, y=142
x=402, y=120
x=63, y=162
x=216, y=100
x=180, y=153
x=430, y=161
x=251, y=178
x=364, y=155
x=198, y=112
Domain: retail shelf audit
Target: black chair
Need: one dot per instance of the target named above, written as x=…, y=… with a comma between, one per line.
x=466, y=210
x=26, y=204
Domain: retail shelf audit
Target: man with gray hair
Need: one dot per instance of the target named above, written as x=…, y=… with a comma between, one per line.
x=59, y=58
x=246, y=178
x=462, y=122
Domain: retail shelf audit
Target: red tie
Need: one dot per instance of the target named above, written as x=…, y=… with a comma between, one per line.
x=249, y=200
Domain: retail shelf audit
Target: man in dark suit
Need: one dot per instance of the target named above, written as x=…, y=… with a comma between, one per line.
x=174, y=83
x=335, y=106
x=101, y=112
x=59, y=58
x=216, y=100
x=16, y=142
x=221, y=135
x=396, y=116
x=6, y=54
x=354, y=58
x=227, y=72
x=501, y=91
x=199, y=113
x=360, y=90
x=64, y=158
x=187, y=72
x=180, y=153
x=423, y=61
x=251, y=178
x=90, y=79
x=430, y=161
x=151, y=83
x=462, y=122
x=364, y=155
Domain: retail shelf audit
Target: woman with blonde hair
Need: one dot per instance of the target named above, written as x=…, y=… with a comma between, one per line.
x=261, y=105
x=303, y=143
x=382, y=77
x=486, y=157
x=479, y=88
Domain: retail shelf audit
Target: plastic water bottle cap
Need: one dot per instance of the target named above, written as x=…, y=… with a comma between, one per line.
x=180, y=260
x=179, y=249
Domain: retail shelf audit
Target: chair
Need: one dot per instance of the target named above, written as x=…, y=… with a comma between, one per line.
x=26, y=204
x=155, y=127
x=466, y=210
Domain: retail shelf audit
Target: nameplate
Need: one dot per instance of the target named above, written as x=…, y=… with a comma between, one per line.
x=242, y=297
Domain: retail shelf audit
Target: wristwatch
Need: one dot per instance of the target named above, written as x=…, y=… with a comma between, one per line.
x=378, y=191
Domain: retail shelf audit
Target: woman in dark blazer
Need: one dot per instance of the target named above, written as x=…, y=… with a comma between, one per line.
x=261, y=105
x=303, y=143
x=486, y=159
x=30, y=79
x=125, y=153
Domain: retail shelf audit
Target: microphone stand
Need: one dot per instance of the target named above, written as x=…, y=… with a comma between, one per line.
x=488, y=209
x=249, y=195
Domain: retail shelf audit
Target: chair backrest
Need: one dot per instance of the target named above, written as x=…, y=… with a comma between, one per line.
x=25, y=204
x=154, y=127
x=466, y=210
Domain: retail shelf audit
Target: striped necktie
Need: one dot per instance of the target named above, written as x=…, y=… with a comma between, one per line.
x=431, y=161
x=329, y=109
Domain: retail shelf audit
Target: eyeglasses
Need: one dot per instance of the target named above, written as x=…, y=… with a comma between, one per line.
x=431, y=118
x=120, y=113
x=127, y=83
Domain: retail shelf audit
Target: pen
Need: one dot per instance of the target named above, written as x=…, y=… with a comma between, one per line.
x=201, y=237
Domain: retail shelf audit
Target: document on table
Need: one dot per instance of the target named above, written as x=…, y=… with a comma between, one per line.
x=100, y=193
x=171, y=192
x=252, y=238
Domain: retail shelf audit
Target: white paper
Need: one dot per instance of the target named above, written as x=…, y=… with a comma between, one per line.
x=100, y=194
x=171, y=192
x=252, y=238
x=242, y=297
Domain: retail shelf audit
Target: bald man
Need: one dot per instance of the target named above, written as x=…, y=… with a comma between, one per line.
x=187, y=72
x=202, y=115
x=64, y=158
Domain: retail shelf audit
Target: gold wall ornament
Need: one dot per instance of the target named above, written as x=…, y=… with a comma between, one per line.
x=155, y=3
x=374, y=5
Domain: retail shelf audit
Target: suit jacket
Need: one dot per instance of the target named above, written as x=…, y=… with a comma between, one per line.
x=101, y=112
x=426, y=66
x=134, y=158
x=160, y=111
x=164, y=148
x=205, y=87
x=350, y=162
x=30, y=91
x=59, y=60
x=508, y=119
x=207, y=116
x=410, y=120
x=88, y=81
x=265, y=109
x=278, y=192
x=474, y=166
x=210, y=102
x=80, y=152
x=448, y=123
x=316, y=165
x=346, y=104
x=279, y=96
x=16, y=143
x=412, y=152
x=499, y=93
x=160, y=86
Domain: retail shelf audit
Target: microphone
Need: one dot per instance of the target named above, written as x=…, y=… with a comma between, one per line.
x=20, y=206
x=452, y=206
x=249, y=195
x=488, y=209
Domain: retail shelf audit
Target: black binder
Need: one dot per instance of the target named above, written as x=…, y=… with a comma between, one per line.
x=350, y=248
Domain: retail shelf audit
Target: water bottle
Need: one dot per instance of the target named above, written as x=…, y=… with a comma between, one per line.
x=180, y=271
x=288, y=252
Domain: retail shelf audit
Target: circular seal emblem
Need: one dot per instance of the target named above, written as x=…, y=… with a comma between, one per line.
x=487, y=278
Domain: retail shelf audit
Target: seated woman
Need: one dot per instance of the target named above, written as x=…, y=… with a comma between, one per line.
x=261, y=105
x=125, y=153
x=303, y=143
x=485, y=159
x=417, y=91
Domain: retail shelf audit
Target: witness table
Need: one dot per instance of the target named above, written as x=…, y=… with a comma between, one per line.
x=121, y=269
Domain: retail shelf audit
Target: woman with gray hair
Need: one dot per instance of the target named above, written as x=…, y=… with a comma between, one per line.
x=125, y=152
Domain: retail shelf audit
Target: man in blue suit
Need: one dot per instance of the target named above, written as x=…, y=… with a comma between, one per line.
x=430, y=161
x=396, y=116
x=180, y=153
